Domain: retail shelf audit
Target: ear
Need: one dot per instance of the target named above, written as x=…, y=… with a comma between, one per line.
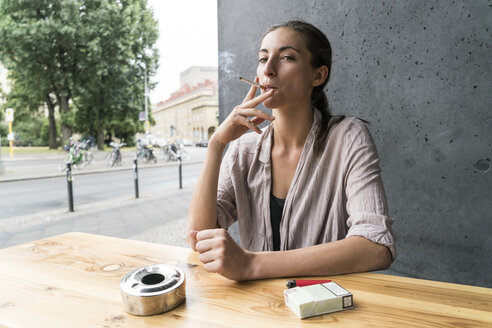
x=320, y=75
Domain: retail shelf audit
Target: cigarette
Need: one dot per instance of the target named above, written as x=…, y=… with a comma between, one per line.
x=252, y=83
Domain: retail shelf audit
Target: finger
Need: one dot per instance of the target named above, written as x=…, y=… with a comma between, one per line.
x=251, y=93
x=254, y=112
x=211, y=267
x=208, y=256
x=216, y=266
x=192, y=239
x=249, y=123
x=258, y=120
x=258, y=100
x=206, y=245
x=209, y=233
x=193, y=234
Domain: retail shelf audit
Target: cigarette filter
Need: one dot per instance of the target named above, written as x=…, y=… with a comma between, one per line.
x=313, y=300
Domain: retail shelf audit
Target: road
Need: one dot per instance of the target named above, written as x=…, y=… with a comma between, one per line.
x=31, y=196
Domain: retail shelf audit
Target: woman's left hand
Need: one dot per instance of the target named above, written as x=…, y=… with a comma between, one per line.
x=220, y=254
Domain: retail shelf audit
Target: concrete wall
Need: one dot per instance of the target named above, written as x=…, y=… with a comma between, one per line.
x=420, y=71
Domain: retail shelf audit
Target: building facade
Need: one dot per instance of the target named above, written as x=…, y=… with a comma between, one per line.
x=191, y=113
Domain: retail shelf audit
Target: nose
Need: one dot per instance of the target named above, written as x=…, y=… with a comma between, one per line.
x=269, y=68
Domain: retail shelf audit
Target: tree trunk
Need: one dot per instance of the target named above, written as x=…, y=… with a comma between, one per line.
x=66, y=131
x=100, y=136
x=52, y=122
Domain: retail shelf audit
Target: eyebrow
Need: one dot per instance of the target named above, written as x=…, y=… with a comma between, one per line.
x=282, y=49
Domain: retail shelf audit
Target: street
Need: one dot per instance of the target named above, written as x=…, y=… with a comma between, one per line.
x=31, y=196
x=47, y=190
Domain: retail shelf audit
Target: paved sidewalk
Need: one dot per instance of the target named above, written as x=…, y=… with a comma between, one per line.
x=160, y=218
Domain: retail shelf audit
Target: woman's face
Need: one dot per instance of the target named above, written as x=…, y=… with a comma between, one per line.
x=284, y=65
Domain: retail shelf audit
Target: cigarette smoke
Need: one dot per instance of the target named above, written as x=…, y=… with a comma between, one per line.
x=226, y=64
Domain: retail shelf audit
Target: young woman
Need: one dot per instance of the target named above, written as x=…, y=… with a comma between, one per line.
x=306, y=191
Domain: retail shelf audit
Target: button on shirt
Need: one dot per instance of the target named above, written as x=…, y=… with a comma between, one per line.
x=333, y=195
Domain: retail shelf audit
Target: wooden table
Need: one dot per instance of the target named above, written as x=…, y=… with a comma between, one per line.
x=72, y=280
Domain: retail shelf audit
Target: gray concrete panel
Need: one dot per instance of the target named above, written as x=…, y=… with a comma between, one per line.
x=420, y=72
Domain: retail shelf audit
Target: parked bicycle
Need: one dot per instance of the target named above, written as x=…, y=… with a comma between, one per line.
x=79, y=155
x=115, y=158
x=146, y=152
x=173, y=152
x=88, y=143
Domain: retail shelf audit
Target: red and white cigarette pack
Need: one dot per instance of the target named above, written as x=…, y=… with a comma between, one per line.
x=313, y=300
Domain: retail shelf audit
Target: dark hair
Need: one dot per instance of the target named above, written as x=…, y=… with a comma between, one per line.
x=318, y=45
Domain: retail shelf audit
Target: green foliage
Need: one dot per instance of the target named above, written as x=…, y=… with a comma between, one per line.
x=122, y=36
x=4, y=130
x=45, y=133
x=92, y=52
x=68, y=119
x=28, y=133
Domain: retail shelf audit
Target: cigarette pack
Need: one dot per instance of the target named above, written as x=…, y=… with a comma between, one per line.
x=310, y=301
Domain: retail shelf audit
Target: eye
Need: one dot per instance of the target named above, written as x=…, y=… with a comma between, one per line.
x=263, y=60
x=287, y=57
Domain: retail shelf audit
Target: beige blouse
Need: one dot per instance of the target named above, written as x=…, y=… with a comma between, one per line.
x=337, y=195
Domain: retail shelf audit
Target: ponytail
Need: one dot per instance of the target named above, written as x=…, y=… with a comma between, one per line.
x=319, y=101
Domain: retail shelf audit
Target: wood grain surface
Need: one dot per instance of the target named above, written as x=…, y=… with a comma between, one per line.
x=72, y=280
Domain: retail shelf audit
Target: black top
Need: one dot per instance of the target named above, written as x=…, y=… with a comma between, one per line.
x=276, y=209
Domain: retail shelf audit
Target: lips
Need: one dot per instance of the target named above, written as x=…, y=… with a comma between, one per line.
x=268, y=87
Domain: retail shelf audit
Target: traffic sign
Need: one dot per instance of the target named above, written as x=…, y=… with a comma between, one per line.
x=10, y=137
x=9, y=114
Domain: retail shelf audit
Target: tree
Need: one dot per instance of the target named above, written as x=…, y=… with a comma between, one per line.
x=87, y=53
x=110, y=90
x=39, y=46
x=29, y=133
x=27, y=101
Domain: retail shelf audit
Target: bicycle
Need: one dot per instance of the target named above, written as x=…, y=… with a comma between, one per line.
x=77, y=156
x=146, y=152
x=173, y=153
x=115, y=158
x=89, y=145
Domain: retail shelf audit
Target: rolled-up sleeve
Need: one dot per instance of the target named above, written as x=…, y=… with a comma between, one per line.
x=226, y=202
x=366, y=200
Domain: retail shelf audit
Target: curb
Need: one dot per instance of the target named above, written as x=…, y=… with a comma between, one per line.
x=106, y=170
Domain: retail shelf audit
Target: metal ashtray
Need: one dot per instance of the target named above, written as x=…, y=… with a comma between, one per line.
x=153, y=289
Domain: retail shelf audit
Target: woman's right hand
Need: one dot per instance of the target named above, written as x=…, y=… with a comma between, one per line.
x=238, y=121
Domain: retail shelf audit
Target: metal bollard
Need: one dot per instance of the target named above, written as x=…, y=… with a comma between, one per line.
x=69, y=186
x=135, y=176
x=180, y=174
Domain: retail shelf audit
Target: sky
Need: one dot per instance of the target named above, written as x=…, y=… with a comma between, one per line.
x=187, y=37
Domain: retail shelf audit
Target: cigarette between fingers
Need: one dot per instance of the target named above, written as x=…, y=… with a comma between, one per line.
x=252, y=83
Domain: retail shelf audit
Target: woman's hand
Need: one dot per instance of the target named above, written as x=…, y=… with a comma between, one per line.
x=238, y=122
x=220, y=254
